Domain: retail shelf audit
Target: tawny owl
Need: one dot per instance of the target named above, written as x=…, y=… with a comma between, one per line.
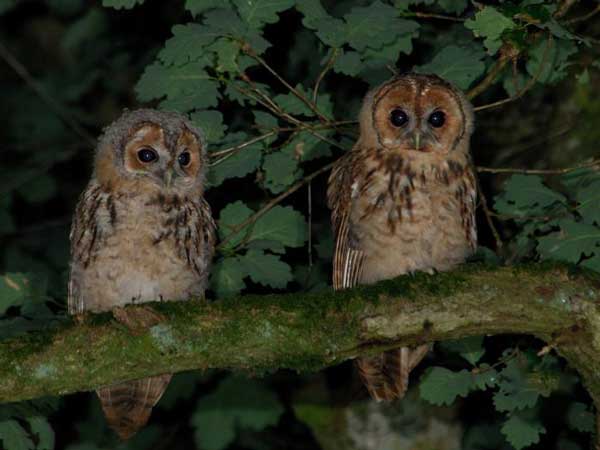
x=142, y=232
x=403, y=200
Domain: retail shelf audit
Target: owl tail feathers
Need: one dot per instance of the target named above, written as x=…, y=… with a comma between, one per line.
x=386, y=375
x=127, y=406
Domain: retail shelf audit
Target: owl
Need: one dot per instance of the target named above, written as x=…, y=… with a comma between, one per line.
x=141, y=232
x=403, y=200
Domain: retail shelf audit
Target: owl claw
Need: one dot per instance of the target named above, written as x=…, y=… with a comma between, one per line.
x=137, y=318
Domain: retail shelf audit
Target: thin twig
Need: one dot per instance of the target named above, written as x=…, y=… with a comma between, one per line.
x=328, y=66
x=587, y=16
x=310, y=259
x=593, y=163
x=507, y=53
x=233, y=149
x=274, y=202
x=312, y=106
x=564, y=8
x=422, y=15
x=529, y=84
x=22, y=71
x=488, y=215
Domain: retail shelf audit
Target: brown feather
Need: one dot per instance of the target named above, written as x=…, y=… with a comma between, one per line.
x=127, y=406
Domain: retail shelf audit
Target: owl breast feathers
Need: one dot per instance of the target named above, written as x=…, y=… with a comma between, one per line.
x=142, y=232
x=403, y=199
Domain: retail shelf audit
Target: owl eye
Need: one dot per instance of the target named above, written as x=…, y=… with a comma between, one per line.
x=147, y=155
x=184, y=159
x=437, y=119
x=398, y=117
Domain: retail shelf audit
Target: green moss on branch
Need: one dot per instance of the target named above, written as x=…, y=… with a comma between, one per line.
x=307, y=332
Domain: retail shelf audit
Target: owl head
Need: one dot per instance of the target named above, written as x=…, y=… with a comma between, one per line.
x=153, y=150
x=416, y=113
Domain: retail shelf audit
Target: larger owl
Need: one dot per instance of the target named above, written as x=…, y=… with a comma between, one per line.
x=403, y=200
x=142, y=232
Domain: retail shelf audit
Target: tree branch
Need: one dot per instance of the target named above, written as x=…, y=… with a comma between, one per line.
x=308, y=332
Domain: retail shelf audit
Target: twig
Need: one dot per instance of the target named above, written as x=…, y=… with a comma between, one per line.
x=587, y=16
x=422, y=15
x=261, y=212
x=233, y=149
x=507, y=53
x=22, y=71
x=564, y=8
x=593, y=163
x=313, y=107
x=529, y=84
x=310, y=259
x=328, y=66
x=488, y=215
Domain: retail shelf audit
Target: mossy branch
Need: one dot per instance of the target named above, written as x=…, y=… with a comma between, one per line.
x=308, y=332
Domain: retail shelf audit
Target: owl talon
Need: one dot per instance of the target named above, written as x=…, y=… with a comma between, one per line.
x=137, y=318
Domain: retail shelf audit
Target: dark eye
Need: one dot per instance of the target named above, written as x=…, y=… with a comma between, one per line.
x=147, y=155
x=437, y=119
x=398, y=117
x=184, y=159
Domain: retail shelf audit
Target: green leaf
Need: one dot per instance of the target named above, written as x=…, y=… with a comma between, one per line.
x=490, y=23
x=331, y=31
x=257, y=13
x=441, y=386
x=118, y=4
x=572, y=241
x=188, y=44
x=243, y=162
x=453, y=6
x=281, y=171
x=470, y=348
x=526, y=195
x=43, y=431
x=237, y=403
x=7, y=224
x=188, y=87
x=589, y=198
x=460, y=65
x=515, y=391
x=283, y=224
x=211, y=123
x=230, y=216
x=228, y=23
x=313, y=12
x=349, y=63
x=306, y=146
x=522, y=433
x=197, y=7
x=554, y=56
x=267, y=270
x=227, y=277
x=376, y=25
x=580, y=418
x=14, y=290
x=14, y=437
x=292, y=104
x=487, y=377
x=227, y=51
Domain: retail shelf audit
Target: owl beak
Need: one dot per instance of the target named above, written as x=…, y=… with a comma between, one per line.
x=417, y=140
x=168, y=178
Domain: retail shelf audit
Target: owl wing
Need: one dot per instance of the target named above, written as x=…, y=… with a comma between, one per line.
x=348, y=260
x=195, y=238
x=92, y=224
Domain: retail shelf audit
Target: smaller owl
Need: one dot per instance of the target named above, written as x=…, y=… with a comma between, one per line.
x=403, y=200
x=141, y=232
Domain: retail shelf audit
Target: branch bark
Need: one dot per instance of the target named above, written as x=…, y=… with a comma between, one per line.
x=308, y=332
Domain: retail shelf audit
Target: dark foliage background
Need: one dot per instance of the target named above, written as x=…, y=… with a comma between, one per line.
x=69, y=67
